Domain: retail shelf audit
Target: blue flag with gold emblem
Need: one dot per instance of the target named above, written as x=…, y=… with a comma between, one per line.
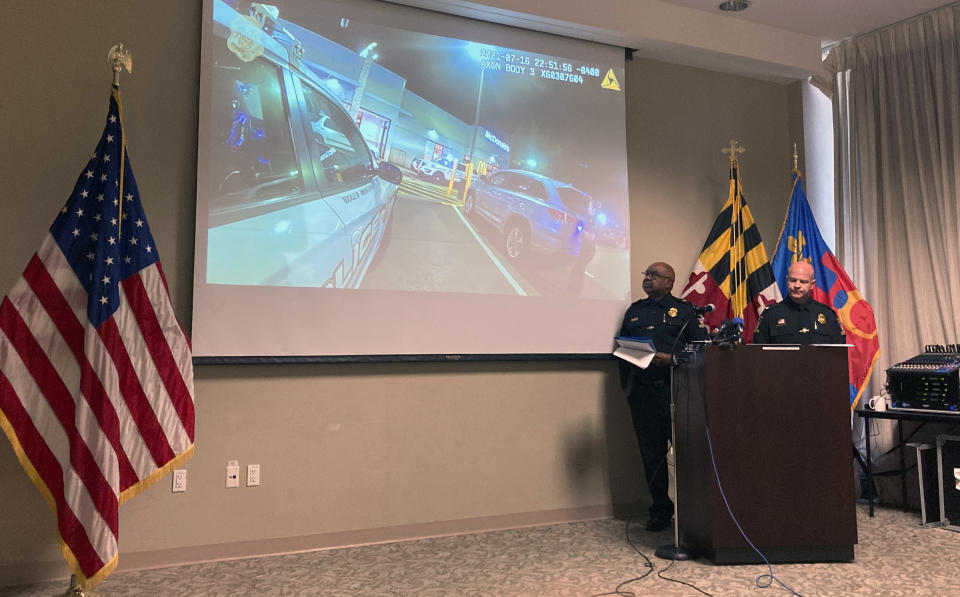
x=800, y=240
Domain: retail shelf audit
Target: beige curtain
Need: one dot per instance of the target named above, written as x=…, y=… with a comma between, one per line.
x=896, y=98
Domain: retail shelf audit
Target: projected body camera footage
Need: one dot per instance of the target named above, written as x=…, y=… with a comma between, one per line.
x=341, y=154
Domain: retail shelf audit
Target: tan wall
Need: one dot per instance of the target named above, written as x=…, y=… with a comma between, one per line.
x=351, y=452
x=678, y=120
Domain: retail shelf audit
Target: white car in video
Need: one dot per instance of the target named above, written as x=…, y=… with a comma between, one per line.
x=297, y=197
x=439, y=171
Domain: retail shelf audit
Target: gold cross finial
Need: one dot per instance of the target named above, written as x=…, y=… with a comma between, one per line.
x=733, y=150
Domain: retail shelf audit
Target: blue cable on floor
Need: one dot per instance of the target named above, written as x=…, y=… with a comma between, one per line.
x=769, y=575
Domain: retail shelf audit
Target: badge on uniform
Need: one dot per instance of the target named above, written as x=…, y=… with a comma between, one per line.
x=803, y=330
x=672, y=311
x=821, y=319
x=781, y=322
x=634, y=319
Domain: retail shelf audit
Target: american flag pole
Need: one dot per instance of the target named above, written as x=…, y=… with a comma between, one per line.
x=118, y=57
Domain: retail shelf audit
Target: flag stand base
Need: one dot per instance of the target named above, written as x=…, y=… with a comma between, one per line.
x=75, y=589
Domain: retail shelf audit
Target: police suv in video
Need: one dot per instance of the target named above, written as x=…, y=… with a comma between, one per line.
x=298, y=199
x=439, y=170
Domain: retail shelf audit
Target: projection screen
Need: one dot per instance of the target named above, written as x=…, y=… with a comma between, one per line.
x=375, y=179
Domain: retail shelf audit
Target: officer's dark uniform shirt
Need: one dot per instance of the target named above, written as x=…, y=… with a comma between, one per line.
x=661, y=321
x=790, y=323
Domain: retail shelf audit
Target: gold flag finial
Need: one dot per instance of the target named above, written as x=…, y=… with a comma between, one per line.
x=796, y=163
x=733, y=150
x=119, y=57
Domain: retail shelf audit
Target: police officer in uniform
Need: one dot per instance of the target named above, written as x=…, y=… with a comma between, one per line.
x=670, y=323
x=798, y=319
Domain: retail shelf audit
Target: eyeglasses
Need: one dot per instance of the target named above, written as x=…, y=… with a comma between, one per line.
x=654, y=275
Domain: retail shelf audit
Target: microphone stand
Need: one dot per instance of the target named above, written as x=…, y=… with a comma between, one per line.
x=674, y=551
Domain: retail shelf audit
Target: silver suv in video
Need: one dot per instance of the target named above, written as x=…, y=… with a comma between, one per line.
x=536, y=214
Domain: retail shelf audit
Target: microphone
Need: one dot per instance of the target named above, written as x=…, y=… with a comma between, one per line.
x=721, y=329
x=704, y=309
x=729, y=334
x=737, y=335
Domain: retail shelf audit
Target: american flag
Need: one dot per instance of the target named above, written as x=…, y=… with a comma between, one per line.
x=96, y=379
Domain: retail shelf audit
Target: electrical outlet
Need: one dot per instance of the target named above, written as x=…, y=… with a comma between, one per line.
x=233, y=474
x=253, y=475
x=179, y=480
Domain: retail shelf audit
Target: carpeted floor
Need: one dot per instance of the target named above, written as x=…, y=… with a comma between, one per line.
x=895, y=557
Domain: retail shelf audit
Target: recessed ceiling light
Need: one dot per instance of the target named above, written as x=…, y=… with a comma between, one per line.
x=734, y=5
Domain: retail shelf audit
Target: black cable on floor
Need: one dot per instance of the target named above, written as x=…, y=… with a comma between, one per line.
x=648, y=565
x=619, y=591
x=678, y=581
x=680, y=542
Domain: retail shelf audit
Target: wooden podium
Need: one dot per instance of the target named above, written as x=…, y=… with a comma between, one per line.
x=779, y=421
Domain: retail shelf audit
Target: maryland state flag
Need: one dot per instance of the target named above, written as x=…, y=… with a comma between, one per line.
x=800, y=240
x=733, y=272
